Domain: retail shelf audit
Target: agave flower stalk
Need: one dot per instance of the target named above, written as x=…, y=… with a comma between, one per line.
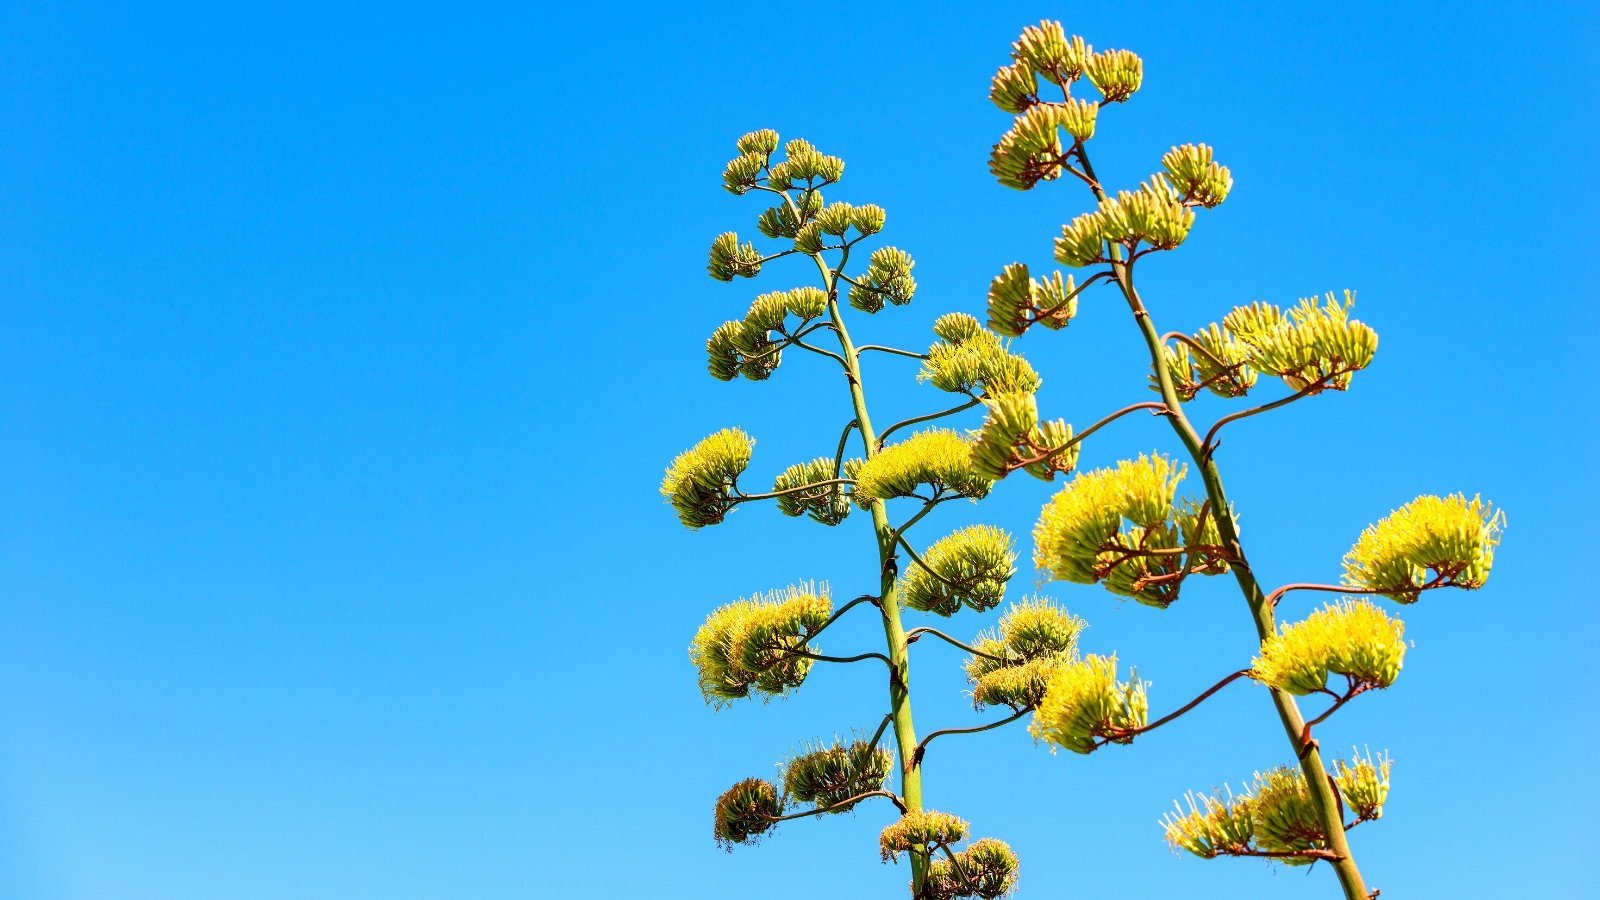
x=765, y=646
x=1124, y=528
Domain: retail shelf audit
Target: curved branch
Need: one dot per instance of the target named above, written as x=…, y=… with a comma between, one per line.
x=1087, y=283
x=864, y=598
x=923, y=746
x=1131, y=732
x=927, y=568
x=1196, y=346
x=1157, y=407
x=893, y=350
x=1208, y=444
x=913, y=634
x=828, y=353
x=927, y=507
x=838, y=457
x=796, y=651
x=927, y=418
x=742, y=498
x=842, y=805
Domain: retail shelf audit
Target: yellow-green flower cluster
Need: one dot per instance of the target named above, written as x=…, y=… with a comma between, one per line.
x=1213, y=826
x=1080, y=536
x=888, y=278
x=749, y=646
x=987, y=868
x=826, y=503
x=969, y=567
x=1012, y=434
x=920, y=828
x=1085, y=704
x=804, y=163
x=1154, y=214
x=1313, y=345
x=1364, y=784
x=1353, y=638
x=1274, y=815
x=1036, y=637
x=969, y=358
x=746, y=347
x=828, y=776
x=700, y=481
x=1017, y=301
x=936, y=458
x=1221, y=365
x=745, y=811
x=1198, y=178
x=1116, y=74
x=730, y=258
x=1046, y=49
x=1430, y=542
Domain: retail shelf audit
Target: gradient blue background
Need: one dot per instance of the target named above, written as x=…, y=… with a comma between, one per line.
x=341, y=352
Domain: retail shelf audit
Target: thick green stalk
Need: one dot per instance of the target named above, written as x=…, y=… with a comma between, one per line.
x=1323, y=797
x=905, y=734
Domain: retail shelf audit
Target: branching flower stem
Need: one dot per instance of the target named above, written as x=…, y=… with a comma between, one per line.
x=913, y=634
x=841, y=805
x=1131, y=732
x=927, y=418
x=1323, y=798
x=922, y=747
x=910, y=796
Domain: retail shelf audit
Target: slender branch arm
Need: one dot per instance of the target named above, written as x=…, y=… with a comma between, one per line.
x=828, y=353
x=923, y=747
x=1194, y=345
x=796, y=651
x=927, y=568
x=1130, y=732
x=927, y=418
x=837, y=614
x=882, y=726
x=896, y=351
x=913, y=634
x=1209, y=442
x=838, y=456
x=1158, y=408
x=745, y=498
x=841, y=805
x=927, y=507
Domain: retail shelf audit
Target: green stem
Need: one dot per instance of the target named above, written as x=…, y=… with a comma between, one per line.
x=905, y=734
x=1323, y=798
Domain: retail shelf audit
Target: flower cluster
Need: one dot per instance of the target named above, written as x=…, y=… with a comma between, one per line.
x=830, y=776
x=812, y=494
x=969, y=567
x=751, y=646
x=888, y=278
x=747, y=347
x=937, y=458
x=1085, y=706
x=1353, y=638
x=968, y=359
x=1018, y=301
x=987, y=868
x=921, y=828
x=745, y=811
x=1430, y=542
x=701, y=481
x=1015, y=667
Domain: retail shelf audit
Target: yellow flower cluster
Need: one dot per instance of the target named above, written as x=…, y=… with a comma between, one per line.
x=922, y=827
x=969, y=358
x=937, y=458
x=827, y=776
x=748, y=646
x=969, y=567
x=700, y=481
x=1352, y=637
x=987, y=868
x=1197, y=177
x=745, y=811
x=1364, y=784
x=1430, y=542
x=826, y=503
x=746, y=347
x=887, y=278
x=1080, y=536
x=1085, y=704
x=1018, y=301
x=1012, y=434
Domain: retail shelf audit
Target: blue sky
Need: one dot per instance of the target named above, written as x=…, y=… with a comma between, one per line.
x=341, y=352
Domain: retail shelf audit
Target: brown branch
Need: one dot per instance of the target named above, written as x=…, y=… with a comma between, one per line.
x=916, y=757
x=1159, y=408
x=1125, y=733
x=1208, y=445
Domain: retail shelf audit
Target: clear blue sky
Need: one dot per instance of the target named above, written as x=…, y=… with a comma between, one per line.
x=341, y=352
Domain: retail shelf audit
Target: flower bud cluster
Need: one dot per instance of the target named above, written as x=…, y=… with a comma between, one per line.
x=1036, y=637
x=969, y=567
x=974, y=359
x=987, y=868
x=888, y=278
x=1017, y=302
x=746, y=811
x=827, y=776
